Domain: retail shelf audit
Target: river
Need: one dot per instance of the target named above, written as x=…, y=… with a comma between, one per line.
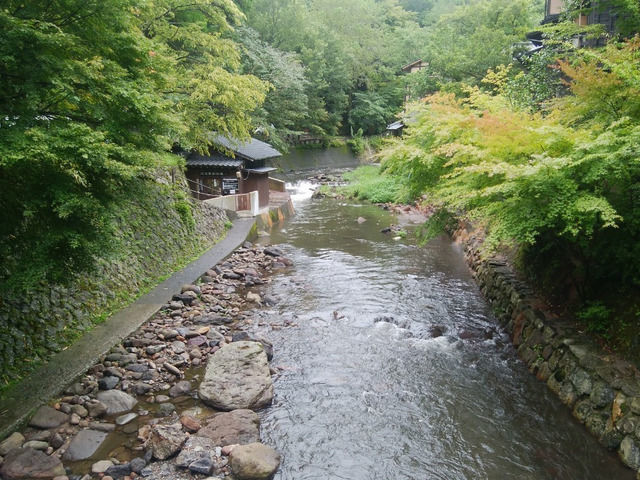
x=393, y=366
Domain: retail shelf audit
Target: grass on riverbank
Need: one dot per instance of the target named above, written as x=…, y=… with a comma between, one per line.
x=368, y=183
x=614, y=321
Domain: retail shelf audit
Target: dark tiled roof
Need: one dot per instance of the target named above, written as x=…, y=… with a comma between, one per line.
x=213, y=160
x=251, y=150
x=261, y=170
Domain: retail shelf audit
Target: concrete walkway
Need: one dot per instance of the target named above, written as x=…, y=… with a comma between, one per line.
x=62, y=369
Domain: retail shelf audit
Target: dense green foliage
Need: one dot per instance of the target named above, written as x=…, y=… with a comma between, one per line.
x=478, y=36
x=351, y=52
x=93, y=95
x=555, y=175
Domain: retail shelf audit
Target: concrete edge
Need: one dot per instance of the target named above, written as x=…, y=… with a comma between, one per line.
x=62, y=369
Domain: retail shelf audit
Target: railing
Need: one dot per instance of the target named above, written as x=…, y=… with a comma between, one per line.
x=200, y=191
x=276, y=185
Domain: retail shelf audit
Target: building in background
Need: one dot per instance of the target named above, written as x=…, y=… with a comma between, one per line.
x=232, y=167
x=595, y=12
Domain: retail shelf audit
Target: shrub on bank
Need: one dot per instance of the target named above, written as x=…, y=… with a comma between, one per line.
x=563, y=187
x=368, y=183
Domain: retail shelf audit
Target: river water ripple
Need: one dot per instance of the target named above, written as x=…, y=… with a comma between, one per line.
x=395, y=367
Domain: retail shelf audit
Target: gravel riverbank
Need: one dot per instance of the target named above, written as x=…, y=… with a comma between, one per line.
x=152, y=407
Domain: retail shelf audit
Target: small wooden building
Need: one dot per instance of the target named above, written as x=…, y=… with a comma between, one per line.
x=395, y=128
x=601, y=12
x=243, y=169
x=415, y=66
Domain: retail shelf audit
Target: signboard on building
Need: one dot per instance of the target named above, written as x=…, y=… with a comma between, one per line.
x=230, y=186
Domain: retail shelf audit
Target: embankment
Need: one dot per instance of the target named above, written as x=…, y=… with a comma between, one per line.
x=602, y=389
x=157, y=232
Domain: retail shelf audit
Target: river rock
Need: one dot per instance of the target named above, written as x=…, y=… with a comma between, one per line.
x=191, y=288
x=27, y=463
x=137, y=464
x=15, y=440
x=84, y=445
x=181, y=388
x=630, y=453
x=165, y=409
x=119, y=471
x=36, y=445
x=101, y=466
x=273, y=252
x=116, y=401
x=246, y=337
x=96, y=408
x=197, y=455
x=126, y=418
x=254, y=298
x=190, y=423
x=166, y=440
x=47, y=417
x=237, y=377
x=254, y=461
x=56, y=441
x=236, y=427
x=108, y=383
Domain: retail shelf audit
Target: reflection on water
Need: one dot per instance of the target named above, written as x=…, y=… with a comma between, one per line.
x=397, y=369
x=304, y=160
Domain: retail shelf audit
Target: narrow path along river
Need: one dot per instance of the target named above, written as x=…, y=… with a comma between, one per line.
x=393, y=366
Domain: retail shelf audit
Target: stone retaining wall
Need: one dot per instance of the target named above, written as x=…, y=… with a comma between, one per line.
x=602, y=390
x=157, y=232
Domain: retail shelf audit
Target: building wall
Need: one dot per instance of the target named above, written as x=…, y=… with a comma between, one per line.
x=554, y=7
x=206, y=183
x=259, y=182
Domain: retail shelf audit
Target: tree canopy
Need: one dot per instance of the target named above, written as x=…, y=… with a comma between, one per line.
x=93, y=95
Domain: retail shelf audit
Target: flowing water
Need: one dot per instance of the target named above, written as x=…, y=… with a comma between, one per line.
x=393, y=366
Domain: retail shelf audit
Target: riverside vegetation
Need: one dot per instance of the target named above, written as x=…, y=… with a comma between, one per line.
x=95, y=97
x=543, y=157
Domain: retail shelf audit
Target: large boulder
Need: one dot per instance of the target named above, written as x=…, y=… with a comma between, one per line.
x=254, y=461
x=47, y=417
x=84, y=445
x=27, y=463
x=237, y=377
x=234, y=428
x=116, y=401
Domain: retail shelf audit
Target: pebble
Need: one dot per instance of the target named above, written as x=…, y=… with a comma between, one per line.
x=227, y=449
x=108, y=383
x=36, y=445
x=181, y=388
x=126, y=418
x=191, y=424
x=165, y=410
x=137, y=465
